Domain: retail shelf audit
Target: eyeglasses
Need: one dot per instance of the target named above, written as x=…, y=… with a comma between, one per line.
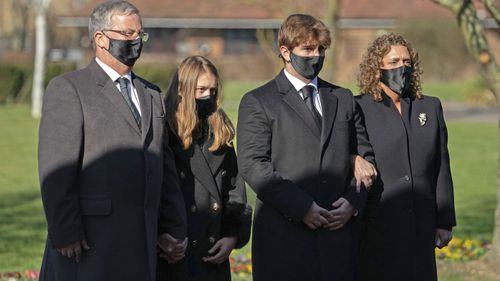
x=131, y=34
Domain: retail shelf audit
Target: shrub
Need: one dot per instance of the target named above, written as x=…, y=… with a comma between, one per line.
x=17, y=79
x=159, y=74
x=12, y=79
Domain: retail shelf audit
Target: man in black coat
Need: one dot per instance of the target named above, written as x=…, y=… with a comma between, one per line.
x=296, y=135
x=107, y=179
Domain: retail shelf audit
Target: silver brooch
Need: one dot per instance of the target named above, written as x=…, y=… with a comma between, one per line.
x=422, y=117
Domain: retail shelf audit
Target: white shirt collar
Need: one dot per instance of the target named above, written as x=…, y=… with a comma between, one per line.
x=299, y=84
x=111, y=72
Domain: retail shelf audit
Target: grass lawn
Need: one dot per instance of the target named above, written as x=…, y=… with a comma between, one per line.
x=473, y=149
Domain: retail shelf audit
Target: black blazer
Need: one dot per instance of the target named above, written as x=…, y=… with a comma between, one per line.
x=290, y=163
x=216, y=205
x=414, y=195
x=104, y=179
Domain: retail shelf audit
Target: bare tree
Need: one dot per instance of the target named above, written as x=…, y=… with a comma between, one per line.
x=478, y=46
x=42, y=7
x=266, y=38
x=22, y=10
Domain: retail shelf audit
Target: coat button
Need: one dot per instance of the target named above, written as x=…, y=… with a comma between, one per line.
x=193, y=209
x=211, y=239
x=194, y=242
x=215, y=207
x=223, y=172
x=182, y=175
x=406, y=178
x=324, y=181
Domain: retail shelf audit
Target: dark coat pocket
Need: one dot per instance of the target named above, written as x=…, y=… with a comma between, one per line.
x=95, y=206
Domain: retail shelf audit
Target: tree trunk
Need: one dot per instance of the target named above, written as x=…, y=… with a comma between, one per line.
x=473, y=32
x=267, y=43
x=331, y=22
x=40, y=58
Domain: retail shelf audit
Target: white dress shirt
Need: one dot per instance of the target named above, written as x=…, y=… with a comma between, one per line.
x=299, y=84
x=115, y=75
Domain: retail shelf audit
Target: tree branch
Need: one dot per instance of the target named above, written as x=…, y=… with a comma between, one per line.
x=494, y=11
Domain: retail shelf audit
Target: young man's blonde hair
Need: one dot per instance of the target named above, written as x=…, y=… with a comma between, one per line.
x=301, y=28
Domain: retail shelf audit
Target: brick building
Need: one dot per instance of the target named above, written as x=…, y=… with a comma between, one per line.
x=230, y=31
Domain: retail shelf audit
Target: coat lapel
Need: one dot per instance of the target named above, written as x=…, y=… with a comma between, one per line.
x=201, y=171
x=111, y=92
x=145, y=99
x=293, y=99
x=215, y=159
x=396, y=120
x=329, y=105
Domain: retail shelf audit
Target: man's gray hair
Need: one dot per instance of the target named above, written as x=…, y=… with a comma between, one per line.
x=101, y=17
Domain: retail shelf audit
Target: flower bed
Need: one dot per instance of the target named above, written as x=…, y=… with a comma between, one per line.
x=29, y=275
x=241, y=265
x=463, y=249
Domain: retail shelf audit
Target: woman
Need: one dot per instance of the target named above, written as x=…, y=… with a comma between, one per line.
x=201, y=138
x=410, y=208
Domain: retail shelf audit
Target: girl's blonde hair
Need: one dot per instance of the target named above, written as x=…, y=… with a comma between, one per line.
x=181, y=105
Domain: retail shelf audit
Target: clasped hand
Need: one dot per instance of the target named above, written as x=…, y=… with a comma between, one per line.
x=74, y=250
x=334, y=219
x=172, y=249
x=221, y=250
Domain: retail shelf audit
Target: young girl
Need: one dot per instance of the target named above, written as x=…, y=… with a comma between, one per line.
x=201, y=135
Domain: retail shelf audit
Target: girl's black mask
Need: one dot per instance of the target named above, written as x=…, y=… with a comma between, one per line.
x=205, y=106
x=397, y=79
x=126, y=51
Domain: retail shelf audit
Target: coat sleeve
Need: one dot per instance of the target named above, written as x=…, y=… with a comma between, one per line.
x=444, y=184
x=361, y=146
x=172, y=217
x=254, y=161
x=59, y=161
x=237, y=217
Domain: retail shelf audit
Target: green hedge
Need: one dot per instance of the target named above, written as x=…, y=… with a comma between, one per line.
x=12, y=79
x=158, y=74
x=16, y=79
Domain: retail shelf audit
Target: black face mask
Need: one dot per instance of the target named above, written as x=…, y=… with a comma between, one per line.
x=205, y=106
x=307, y=67
x=397, y=79
x=126, y=51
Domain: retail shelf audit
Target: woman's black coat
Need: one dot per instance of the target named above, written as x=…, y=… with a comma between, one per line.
x=414, y=193
x=216, y=205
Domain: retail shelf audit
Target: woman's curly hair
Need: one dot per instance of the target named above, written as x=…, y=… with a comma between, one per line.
x=369, y=68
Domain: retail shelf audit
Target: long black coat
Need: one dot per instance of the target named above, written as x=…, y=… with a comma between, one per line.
x=216, y=204
x=414, y=194
x=290, y=163
x=105, y=179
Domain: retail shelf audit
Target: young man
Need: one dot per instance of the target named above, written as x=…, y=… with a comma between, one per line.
x=106, y=180
x=296, y=135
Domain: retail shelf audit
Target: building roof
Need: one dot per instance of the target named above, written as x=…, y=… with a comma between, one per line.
x=261, y=13
x=271, y=9
x=219, y=9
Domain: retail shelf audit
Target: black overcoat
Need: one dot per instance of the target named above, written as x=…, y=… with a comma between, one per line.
x=414, y=194
x=216, y=206
x=105, y=179
x=289, y=162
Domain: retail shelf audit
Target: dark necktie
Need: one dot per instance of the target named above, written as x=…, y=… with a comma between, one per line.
x=123, y=82
x=308, y=91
